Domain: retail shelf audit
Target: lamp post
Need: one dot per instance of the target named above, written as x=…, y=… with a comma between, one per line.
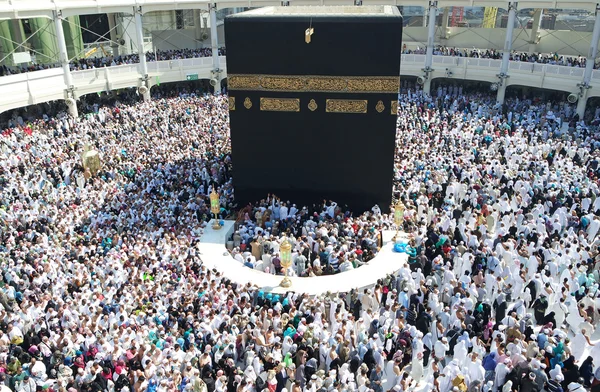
x=398, y=217
x=285, y=250
x=215, y=208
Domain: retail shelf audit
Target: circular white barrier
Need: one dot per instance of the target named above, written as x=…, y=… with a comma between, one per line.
x=213, y=253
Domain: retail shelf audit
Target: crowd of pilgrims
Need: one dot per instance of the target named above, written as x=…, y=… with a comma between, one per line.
x=326, y=238
x=114, y=60
x=104, y=289
x=496, y=54
x=176, y=54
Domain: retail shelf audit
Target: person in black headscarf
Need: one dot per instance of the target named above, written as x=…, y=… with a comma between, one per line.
x=570, y=371
x=423, y=322
x=532, y=289
x=354, y=363
x=586, y=371
x=310, y=368
x=373, y=327
x=549, y=318
x=539, y=309
x=369, y=360
x=500, y=306
x=208, y=378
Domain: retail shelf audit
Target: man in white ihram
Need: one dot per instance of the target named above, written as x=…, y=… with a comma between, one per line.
x=440, y=348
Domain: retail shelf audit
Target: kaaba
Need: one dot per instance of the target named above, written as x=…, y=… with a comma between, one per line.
x=313, y=100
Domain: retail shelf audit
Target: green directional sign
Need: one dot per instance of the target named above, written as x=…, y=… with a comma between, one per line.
x=191, y=77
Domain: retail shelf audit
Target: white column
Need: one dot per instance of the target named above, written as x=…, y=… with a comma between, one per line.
x=589, y=65
x=64, y=62
x=141, y=52
x=107, y=77
x=430, y=45
x=214, y=43
x=535, y=26
x=512, y=16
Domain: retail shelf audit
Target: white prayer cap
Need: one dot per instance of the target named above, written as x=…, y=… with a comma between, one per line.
x=559, y=377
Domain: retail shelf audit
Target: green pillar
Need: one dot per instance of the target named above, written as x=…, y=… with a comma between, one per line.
x=44, y=41
x=6, y=45
x=73, y=37
x=18, y=34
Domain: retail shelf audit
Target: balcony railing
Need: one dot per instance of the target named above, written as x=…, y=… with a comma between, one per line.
x=41, y=86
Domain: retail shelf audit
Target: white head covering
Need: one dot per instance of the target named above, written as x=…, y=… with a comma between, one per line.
x=507, y=387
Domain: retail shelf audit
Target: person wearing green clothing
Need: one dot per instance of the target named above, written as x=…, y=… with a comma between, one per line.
x=14, y=367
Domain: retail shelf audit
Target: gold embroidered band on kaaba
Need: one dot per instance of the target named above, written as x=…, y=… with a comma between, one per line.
x=331, y=84
x=346, y=106
x=280, y=104
x=331, y=105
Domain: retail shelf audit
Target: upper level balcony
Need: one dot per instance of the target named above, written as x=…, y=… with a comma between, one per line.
x=48, y=85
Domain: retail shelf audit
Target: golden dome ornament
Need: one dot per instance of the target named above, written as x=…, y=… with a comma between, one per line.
x=215, y=208
x=312, y=105
x=247, y=103
x=285, y=253
x=398, y=218
x=90, y=160
x=380, y=106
